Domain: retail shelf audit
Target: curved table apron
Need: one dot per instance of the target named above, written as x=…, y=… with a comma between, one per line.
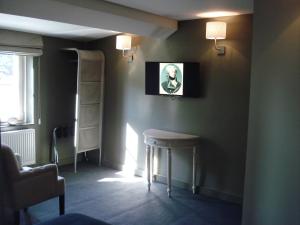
x=168, y=140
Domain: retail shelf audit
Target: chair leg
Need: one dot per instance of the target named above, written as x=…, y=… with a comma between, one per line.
x=17, y=217
x=61, y=204
x=75, y=162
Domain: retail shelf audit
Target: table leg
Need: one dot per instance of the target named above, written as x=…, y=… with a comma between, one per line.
x=152, y=163
x=169, y=172
x=148, y=152
x=194, y=169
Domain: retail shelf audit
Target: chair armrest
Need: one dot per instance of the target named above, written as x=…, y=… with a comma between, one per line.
x=35, y=185
x=50, y=169
x=19, y=160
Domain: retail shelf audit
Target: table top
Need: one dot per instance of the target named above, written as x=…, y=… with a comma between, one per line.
x=168, y=135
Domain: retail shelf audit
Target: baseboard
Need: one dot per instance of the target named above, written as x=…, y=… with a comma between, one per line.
x=67, y=161
x=221, y=195
x=111, y=165
x=202, y=190
x=177, y=183
x=120, y=167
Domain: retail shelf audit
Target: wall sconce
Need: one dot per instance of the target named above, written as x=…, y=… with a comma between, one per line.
x=123, y=42
x=216, y=31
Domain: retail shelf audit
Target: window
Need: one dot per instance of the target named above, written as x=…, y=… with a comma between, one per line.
x=16, y=89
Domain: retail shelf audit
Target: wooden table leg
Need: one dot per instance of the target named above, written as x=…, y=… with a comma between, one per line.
x=194, y=169
x=148, y=151
x=169, y=172
x=152, y=163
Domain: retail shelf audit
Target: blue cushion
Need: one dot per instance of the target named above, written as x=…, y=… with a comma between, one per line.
x=74, y=219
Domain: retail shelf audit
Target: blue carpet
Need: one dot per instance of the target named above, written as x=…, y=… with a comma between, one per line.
x=103, y=194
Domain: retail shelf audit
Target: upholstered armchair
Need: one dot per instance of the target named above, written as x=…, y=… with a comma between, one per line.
x=26, y=187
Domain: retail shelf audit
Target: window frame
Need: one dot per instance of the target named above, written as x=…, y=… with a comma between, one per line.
x=26, y=81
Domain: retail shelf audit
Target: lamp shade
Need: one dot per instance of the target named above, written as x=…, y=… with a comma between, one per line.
x=123, y=42
x=215, y=30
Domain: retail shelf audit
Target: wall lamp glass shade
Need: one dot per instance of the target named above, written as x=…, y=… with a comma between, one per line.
x=123, y=42
x=216, y=31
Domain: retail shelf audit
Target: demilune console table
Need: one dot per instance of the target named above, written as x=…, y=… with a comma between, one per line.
x=168, y=140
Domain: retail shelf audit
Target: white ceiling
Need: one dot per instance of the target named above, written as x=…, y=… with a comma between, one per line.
x=82, y=20
x=51, y=28
x=94, y=19
x=187, y=9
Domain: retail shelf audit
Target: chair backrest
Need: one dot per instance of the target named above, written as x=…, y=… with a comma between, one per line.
x=9, y=163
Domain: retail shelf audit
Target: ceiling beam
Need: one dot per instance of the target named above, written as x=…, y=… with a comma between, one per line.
x=93, y=13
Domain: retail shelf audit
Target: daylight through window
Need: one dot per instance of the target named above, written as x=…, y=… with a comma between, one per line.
x=16, y=89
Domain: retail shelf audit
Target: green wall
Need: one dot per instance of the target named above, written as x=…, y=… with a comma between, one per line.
x=57, y=95
x=219, y=117
x=57, y=83
x=272, y=185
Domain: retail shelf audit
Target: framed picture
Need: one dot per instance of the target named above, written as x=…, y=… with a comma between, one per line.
x=171, y=78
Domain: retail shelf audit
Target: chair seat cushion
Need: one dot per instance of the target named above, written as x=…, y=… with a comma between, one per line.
x=74, y=219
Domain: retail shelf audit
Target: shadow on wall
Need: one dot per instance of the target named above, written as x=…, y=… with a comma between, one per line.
x=221, y=114
x=209, y=155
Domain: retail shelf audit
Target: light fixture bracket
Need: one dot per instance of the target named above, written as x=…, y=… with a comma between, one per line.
x=129, y=54
x=220, y=49
x=216, y=30
x=123, y=43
